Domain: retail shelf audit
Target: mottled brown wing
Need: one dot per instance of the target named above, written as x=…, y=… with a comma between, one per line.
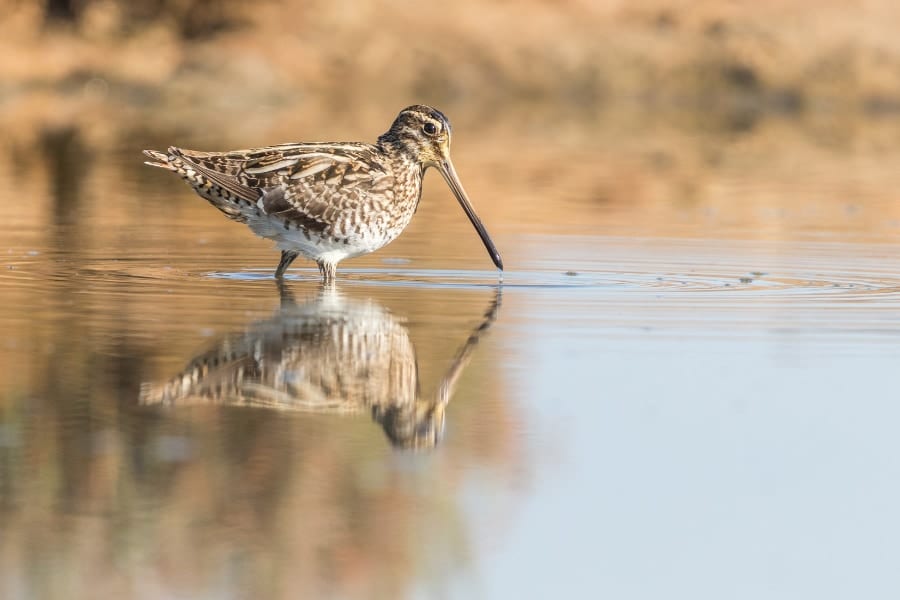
x=305, y=183
x=324, y=187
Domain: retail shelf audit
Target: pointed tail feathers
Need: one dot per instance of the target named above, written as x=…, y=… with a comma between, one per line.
x=221, y=190
x=161, y=157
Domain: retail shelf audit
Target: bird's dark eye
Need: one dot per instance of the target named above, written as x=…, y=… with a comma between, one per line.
x=429, y=128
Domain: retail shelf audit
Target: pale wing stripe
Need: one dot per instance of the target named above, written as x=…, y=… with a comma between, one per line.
x=285, y=162
x=304, y=148
x=357, y=176
x=332, y=157
x=312, y=170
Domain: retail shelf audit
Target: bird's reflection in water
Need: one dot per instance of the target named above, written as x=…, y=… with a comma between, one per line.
x=331, y=354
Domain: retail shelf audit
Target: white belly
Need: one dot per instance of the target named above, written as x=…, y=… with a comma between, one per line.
x=316, y=247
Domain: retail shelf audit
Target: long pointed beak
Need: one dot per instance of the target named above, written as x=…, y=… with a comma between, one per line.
x=449, y=173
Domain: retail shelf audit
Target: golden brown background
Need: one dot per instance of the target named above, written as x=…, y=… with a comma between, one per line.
x=634, y=119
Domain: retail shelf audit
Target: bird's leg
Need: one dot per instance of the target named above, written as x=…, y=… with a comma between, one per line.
x=287, y=257
x=327, y=270
x=284, y=292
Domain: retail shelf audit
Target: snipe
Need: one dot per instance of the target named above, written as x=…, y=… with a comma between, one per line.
x=328, y=201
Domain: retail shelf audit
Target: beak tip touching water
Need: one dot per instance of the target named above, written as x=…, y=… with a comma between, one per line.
x=449, y=173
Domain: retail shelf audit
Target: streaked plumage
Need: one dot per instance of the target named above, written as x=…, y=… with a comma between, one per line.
x=331, y=355
x=328, y=201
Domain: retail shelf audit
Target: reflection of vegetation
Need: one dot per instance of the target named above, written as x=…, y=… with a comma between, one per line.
x=68, y=161
x=329, y=355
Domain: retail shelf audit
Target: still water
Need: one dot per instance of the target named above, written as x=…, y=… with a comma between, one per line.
x=684, y=386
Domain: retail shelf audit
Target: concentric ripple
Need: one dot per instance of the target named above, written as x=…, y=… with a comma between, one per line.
x=592, y=285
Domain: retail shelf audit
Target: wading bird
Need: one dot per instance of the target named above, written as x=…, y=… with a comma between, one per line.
x=328, y=201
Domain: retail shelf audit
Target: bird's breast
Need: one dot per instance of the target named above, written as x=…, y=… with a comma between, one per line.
x=349, y=222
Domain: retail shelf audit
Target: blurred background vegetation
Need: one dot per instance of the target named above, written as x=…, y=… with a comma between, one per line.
x=784, y=56
x=661, y=104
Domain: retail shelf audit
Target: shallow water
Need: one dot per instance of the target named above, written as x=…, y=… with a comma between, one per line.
x=682, y=385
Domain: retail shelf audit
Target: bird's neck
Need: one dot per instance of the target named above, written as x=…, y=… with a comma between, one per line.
x=396, y=146
x=404, y=159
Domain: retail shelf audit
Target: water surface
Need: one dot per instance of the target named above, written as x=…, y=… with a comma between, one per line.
x=683, y=386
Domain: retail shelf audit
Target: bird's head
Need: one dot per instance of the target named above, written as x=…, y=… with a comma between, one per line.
x=423, y=133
